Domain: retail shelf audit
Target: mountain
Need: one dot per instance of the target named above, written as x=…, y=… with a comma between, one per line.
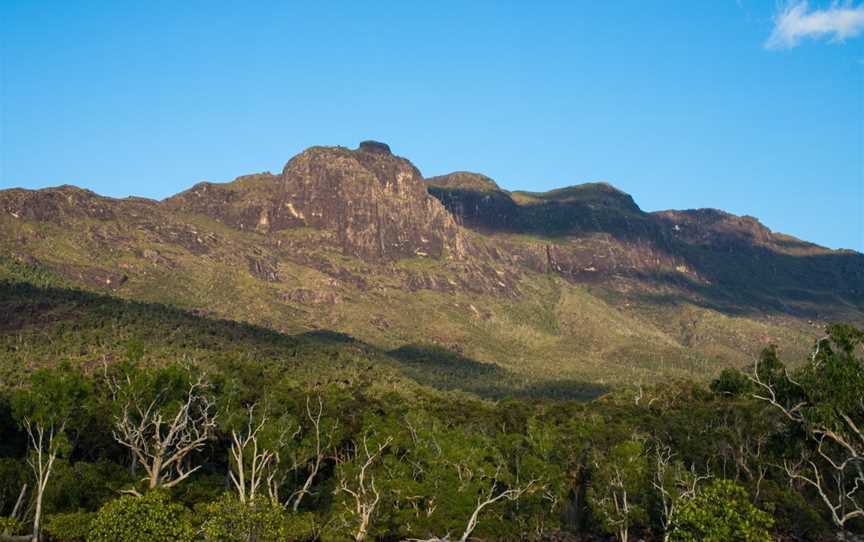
x=575, y=284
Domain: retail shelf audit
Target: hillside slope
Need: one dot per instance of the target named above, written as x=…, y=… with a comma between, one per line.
x=574, y=284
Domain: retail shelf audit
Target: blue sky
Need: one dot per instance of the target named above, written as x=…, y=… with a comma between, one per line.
x=751, y=107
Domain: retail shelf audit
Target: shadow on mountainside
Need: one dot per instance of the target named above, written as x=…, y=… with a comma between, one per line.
x=443, y=369
x=738, y=271
x=43, y=324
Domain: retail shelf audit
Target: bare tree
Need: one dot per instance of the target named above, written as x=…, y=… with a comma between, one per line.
x=44, y=442
x=162, y=443
x=834, y=466
x=491, y=497
x=323, y=442
x=673, y=483
x=361, y=486
x=252, y=465
x=494, y=495
x=618, y=499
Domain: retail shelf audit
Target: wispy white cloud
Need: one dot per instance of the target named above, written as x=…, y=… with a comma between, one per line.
x=797, y=21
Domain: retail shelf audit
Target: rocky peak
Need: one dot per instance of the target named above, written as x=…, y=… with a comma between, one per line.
x=374, y=203
x=375, y=147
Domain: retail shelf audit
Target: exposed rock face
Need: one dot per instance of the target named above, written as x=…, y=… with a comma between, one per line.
x=375, y=147
x=53, y=204
x=476, y=201
x=375, y=203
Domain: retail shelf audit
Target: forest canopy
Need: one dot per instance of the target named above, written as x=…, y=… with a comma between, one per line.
x=218, y=431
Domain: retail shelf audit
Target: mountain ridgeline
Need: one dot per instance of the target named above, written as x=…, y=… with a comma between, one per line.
x=576, y=283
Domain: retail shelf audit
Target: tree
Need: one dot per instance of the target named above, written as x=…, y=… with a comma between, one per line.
x=674, y=484
x=164, y=416
x=458, y=480
x=57, y=399
x=824, y=400
x=253, y=464
x=495, y=494
x=318, y=440
x=720, y=513
x=618, y=487
x=356, y=478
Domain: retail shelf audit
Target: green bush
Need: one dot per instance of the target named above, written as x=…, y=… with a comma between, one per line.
x=732, y=383
x=10, y=524
x=229, y=520
x=69, y=527
x=721, y=513
x=151, y=518
x=792, y=513
x=303, y=525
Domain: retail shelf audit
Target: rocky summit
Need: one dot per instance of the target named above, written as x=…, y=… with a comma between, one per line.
x=575, y=283
x=374, y=204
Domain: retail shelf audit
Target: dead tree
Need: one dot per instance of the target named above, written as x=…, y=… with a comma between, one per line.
x=253, y=465
x=361, y=488
x=162, y=443
x=323, y=442
x=45, y=446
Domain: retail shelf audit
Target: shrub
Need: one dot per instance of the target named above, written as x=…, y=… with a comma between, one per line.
x=10, y=524
x=229, y=520
x=151, y=518
x=732, y=383
x=69, y=527
x=721, y=513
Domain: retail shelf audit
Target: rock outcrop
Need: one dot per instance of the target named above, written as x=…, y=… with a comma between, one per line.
x=375, y=203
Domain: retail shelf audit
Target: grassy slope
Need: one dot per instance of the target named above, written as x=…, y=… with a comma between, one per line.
x=555, y=330
x=47, y=321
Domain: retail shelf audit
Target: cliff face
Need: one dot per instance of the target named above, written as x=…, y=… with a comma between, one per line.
x=375, y=203
x=575, y=282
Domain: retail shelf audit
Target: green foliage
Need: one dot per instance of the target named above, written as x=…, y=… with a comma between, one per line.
x=69, y=526
x=445, y=451
x=13, y=475
x=832, y=383
x=11, y=525
x=732, y=383
x=56, y=396
x=151, y=518
x=824, y=403
x=229, y=520
x=792, y=513
x=619, y=487
x=721, y=513
x=84, y=485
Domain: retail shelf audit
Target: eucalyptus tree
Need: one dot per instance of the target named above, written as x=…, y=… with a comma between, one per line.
x=824, y=402
x=53, y=408
x=163, y=416
x=619, y=487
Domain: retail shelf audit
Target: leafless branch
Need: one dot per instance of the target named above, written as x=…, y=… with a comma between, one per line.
x=162, y=443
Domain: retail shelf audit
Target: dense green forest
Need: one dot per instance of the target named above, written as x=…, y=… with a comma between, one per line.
x=127, y=421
